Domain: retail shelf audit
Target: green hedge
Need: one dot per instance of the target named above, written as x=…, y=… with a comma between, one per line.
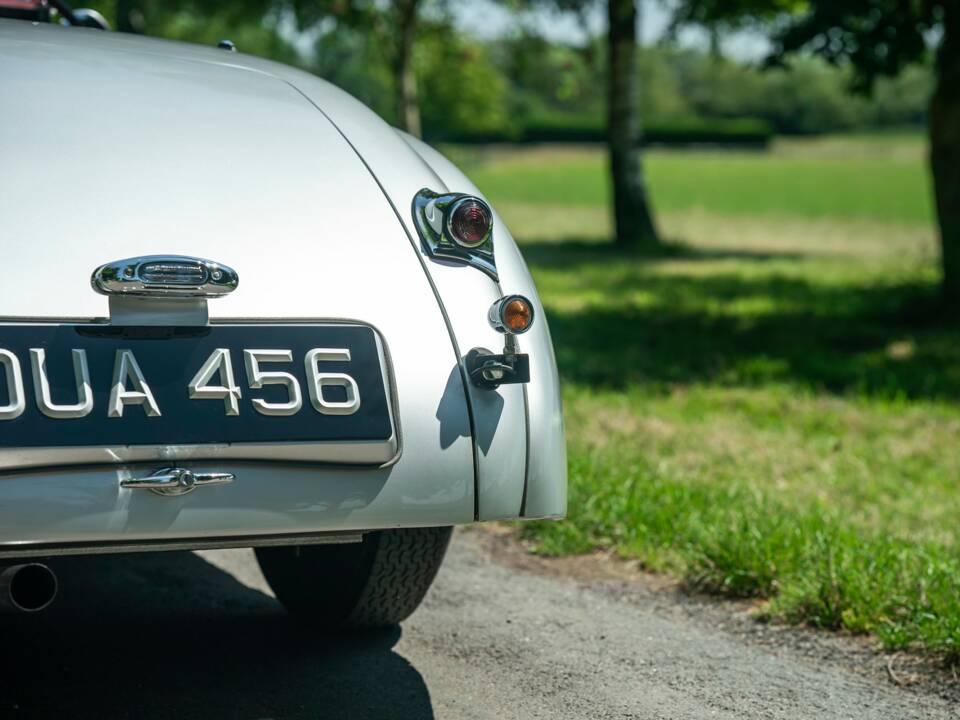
x=575, y=129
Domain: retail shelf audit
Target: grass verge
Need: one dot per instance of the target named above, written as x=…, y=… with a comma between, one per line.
x=802, y=500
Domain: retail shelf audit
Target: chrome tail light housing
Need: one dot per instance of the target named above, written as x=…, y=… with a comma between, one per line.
x=456, y=227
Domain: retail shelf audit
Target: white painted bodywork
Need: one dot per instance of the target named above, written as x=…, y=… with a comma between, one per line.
x=114, y=146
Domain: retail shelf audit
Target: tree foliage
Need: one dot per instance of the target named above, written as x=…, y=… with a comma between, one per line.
x=876, y=38
x=393, y=25
x=463, y=92
x=253, y=25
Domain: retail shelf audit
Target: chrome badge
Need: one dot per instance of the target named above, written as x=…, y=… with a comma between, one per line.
x=165, y=276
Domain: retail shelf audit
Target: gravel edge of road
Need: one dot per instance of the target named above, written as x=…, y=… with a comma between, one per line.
x=625, y=580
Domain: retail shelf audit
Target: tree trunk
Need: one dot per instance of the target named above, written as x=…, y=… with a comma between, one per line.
x=633, y=222
x=945, y=155
x=404, y=78
x=130, y=17
x=716, y=43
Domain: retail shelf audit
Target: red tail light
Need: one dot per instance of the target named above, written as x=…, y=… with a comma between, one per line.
x=470, y=222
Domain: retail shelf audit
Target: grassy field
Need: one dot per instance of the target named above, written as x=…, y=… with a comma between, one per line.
x=768, y=408
x=876, y=178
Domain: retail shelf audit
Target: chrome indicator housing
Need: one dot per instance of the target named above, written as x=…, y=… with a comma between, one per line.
x=165, y=276
x=433, y=214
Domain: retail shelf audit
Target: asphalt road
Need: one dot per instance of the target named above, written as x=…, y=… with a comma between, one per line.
x=186, y=636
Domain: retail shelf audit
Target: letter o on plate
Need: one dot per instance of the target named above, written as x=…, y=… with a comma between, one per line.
x=16, y=399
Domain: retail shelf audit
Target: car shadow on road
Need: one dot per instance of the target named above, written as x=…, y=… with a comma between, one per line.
x=169, y=635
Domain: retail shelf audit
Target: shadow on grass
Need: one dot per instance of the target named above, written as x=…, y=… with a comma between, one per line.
x=742, y=328
x=559, y=255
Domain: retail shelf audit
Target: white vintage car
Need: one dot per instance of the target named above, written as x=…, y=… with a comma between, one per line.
x=240, y=310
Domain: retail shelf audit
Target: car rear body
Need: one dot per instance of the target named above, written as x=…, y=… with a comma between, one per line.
x=118, y=147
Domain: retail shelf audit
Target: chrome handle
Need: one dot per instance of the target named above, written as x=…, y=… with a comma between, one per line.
x=176, y=481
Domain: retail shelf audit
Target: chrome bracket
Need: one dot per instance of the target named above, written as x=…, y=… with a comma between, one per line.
x=176, y=481
x=489, y=371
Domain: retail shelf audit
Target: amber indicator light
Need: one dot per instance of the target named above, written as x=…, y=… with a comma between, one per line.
x=517, y=315
x=512, y=315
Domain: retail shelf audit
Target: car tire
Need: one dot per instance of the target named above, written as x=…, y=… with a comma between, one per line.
x=375, y=583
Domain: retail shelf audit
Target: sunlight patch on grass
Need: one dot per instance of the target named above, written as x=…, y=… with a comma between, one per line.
x=866, y=240
x=889, y=184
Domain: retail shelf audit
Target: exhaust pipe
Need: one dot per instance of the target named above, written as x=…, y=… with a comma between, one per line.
x=30, y=587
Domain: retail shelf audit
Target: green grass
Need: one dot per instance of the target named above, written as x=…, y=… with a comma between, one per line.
x=806, y=179
x=768, y=408
x=840, y=512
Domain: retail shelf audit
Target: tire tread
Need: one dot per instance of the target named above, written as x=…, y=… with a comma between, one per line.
x=376, y=583
x=404, y=565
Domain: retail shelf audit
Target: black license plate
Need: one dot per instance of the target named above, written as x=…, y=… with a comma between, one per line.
x=104, y=386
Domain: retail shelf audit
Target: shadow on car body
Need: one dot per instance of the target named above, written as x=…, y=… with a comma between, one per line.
x=169, y=635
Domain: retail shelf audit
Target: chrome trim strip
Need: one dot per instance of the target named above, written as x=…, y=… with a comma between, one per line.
x=46, y=550
x=375, y=454
x=526, y=457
